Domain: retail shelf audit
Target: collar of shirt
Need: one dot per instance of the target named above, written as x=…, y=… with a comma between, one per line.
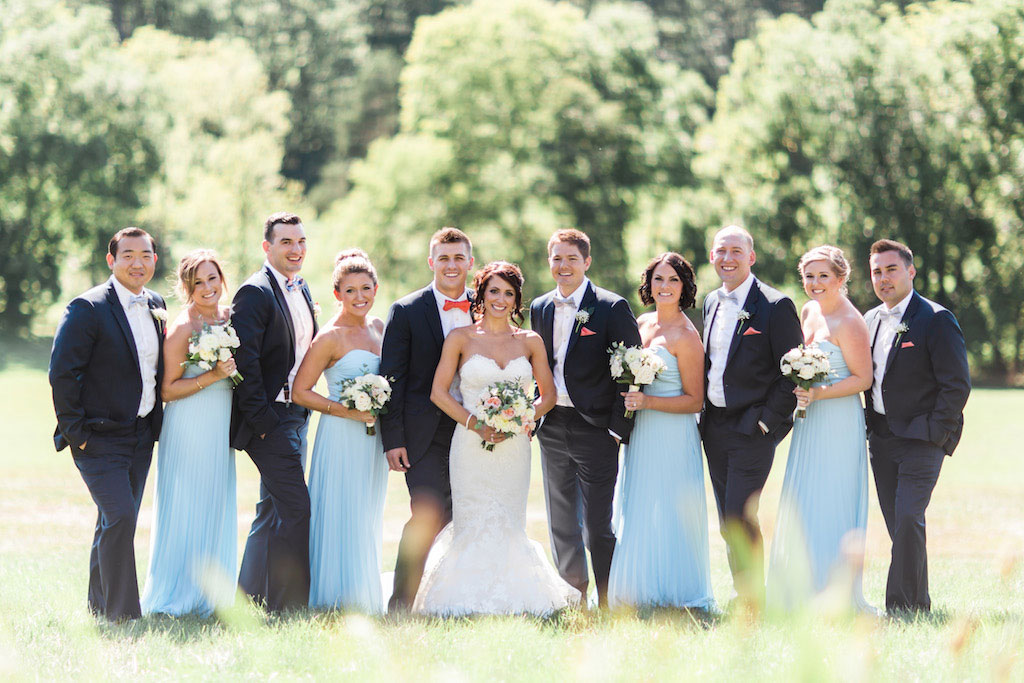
x=740, y=292
x=578, y=293
x=281, y=279
x=124, y=295
x=441, y=298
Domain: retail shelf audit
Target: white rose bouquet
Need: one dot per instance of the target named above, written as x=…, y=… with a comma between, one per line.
x=367, y=393
x=805, y=366
x=635, y=366
x=506, y=407
x=211, y=344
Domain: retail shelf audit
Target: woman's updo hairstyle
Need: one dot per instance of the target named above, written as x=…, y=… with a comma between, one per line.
x=683, y=269
x=352, y=261
x=185, y=280
x=835, y=259
x=510, y=273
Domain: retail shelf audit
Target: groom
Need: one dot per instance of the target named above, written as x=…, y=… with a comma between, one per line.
x=748, y=406
x=416, y=434
x=914, y=412
x=579, y=438
x=273, y=314
x=105, y=370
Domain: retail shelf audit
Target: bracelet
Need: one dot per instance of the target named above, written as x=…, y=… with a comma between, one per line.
x=198, y=384
x=329, y=406
x=468, y=419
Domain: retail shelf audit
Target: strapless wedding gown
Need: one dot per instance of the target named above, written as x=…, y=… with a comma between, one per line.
x=483, y=562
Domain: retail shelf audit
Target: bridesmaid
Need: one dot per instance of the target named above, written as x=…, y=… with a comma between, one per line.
x=819, y=536
x=193, y=547
x=347, y=471
x=661, y=557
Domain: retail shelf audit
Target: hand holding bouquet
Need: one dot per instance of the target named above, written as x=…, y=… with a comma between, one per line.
x=635, y=366
x=367, y=393
x=506, y=408
x=805, y=366
x=211, y=344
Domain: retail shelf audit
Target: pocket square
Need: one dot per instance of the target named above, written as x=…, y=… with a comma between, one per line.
x=750, y=330
x=906, y=345
x=584, y=332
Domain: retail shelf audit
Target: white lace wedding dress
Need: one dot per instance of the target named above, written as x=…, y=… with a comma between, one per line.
x=483, y=562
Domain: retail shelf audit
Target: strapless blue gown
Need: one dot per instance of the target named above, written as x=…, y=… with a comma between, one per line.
x=347, y=480
x=193, y=547
x=824, y=502
x=661, y=556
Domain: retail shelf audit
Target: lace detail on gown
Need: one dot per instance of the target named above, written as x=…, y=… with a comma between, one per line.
x=483, y=562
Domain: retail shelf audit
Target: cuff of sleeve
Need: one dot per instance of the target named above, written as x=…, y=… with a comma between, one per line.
x=763, y=426
x=615, y=436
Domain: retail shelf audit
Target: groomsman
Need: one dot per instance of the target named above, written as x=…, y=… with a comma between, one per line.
x=749, y=405
x=580, y=437
x=416, y=434
x=105, y=371
x=914, y=412
x=275, y=321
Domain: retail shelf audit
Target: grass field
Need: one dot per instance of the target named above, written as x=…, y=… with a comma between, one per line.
x=976, y=549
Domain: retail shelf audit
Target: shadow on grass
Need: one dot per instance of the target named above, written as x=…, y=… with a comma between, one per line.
x=33, y=353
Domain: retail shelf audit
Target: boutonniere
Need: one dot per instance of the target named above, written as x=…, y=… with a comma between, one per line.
x=160, y=316
x=901, y=330
x=582, y=318
x=316, y=309
x=743, y=316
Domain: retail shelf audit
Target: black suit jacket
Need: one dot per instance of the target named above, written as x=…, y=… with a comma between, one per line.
x=755, y=389
x=94, y=370
x=927, y=380
x=588, y=378
x=261, y=317
x=410, y=352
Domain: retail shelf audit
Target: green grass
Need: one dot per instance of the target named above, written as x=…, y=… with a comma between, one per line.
x=976, y=631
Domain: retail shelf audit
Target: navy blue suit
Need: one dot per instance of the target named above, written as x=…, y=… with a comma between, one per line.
x=97, y=388
x=579, y=456
x=739, y=453
x=275, y=564
x=924, y=390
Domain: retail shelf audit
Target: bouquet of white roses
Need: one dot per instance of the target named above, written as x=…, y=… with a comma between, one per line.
x=806, y=366
x=635, y=366
x=506, y=407
x=367, y=393
x=211, y=344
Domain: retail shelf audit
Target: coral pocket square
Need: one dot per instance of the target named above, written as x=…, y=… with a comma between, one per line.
x=750, y=330
x=584, y=332
x=906, y=345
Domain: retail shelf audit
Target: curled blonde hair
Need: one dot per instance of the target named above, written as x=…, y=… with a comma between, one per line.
x=352, y=261
x=835, y=259
x=185, y=280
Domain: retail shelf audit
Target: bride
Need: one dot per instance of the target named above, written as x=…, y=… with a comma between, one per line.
x=483, y=562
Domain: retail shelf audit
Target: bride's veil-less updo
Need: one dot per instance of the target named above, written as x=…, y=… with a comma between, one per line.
x=510, y=273
x=835, y=259
x=352, y=261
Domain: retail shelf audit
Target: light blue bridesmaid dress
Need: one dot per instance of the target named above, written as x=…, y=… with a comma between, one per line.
x=661, y=556
x=193, y=548
x=347, y=480
x=824, y=502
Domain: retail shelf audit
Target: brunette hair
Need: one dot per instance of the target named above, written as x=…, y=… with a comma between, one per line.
x=352, y=261
x=683, y=269
x=833, y=256
x=279, y=218
x=510, y=273
x=571, y=236
x=115, y=241
x=185, y=283
x=449, y=236
x=882, y=246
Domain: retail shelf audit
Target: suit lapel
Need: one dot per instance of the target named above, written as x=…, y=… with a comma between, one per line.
x=588, y=301
x=429, y=302
x=309, y=304
x=283, y=304
x=750, y=306
x=547, y=327
x=908, y=315
x=122, y=320
x=712, y=312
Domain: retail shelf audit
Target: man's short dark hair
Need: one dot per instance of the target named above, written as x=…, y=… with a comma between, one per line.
x=128, y=232
x=279, y=218
x=882, y=246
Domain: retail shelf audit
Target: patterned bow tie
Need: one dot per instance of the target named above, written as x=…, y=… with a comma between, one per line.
x=293, y=285
x=138, y=300
x=462, y=305
x=564, y=301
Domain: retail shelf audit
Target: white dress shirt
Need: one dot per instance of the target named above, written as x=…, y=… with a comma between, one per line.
x=147, y=342
x=884, y=335
x=453, y=317
x=302, y=322
x=565, y=318
x=723, y=327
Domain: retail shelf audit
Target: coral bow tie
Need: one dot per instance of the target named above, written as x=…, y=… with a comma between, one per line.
x=462, y=305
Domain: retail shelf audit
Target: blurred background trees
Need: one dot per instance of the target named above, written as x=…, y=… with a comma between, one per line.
x=647, y=124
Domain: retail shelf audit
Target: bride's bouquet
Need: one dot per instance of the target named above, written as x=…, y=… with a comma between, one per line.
x=505, y=407
x=367, y=393
x=806, y=366
x=635, y=366
x=211, y=344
